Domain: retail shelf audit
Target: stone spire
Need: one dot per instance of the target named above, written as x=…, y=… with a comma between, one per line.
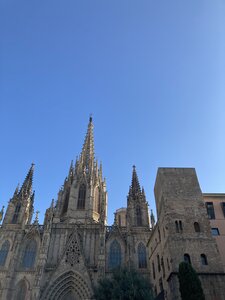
x=86, y=161
x=135, y=190
x=26, y=188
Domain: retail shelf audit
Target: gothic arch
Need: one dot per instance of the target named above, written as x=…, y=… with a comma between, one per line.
x=21, y=290
x=66, y=284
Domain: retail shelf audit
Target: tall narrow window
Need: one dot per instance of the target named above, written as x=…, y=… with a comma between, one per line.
x=223, y=207
x=142, y=259
x=204, y=260
x=4, y=252
x=114, y=255
x=197, y=227
x=21, y=290
x=29, y=254
x=81, y=197
x=163, y=266
x=210, y=210
x=180, y=226
x=66, y=202
x=153, y=270
x=138, y=216
x=187, y=258
x=16, y=213
x=119, y=218
x=177, y=226
x=158, y=263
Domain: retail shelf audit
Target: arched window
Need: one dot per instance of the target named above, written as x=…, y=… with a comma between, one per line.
x=21, y=290
x=142, y=260
x=81, y=197
x=187, y=258
x=204, y=260
x=66, y=202
x=177, y=227
x=29, y=254
x=4, y=252
x=197, y=227
x=138, y=215
x=114, y=255
x=16, y=213
x=97, y=200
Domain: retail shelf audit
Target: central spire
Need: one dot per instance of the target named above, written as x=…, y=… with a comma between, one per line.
x=26, y=188
x=135, y=189
x=87, y=155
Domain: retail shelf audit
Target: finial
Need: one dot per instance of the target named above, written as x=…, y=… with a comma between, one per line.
x=134, y=167
x=90, y=118
x=36, y=217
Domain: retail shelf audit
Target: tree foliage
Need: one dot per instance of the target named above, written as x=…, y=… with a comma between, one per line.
x=124, y=285
x=190, y=284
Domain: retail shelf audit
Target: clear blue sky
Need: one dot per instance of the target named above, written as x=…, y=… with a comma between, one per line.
x=151, y=72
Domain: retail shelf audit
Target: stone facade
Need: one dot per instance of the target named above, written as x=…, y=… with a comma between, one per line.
x=65, y=257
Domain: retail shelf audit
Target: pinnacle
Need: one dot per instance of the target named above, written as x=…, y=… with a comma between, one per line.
x=87, y=154
x=27, y=184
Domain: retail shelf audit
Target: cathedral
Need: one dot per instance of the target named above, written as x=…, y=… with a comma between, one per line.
x=64, y=258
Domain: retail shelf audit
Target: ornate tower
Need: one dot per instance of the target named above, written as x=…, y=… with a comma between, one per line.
x=20, y=207
x=83, y=196
x=137, y=206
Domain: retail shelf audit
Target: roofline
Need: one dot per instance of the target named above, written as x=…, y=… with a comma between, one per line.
x=213, y=194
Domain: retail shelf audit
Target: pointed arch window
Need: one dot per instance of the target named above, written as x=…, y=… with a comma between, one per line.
x=81, y=197
x=29, y=254
x=16, y=213
x=21, y=290
x=138, y=216
x=66, y=202
x=197, y=227
x=204, y=260
x=4, y=253
x=142, y=259
x=114, y=255
x=187, y=258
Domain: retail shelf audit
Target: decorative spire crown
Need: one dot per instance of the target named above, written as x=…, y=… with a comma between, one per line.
x=135, y=189
x=27, y=184
x=87, y=155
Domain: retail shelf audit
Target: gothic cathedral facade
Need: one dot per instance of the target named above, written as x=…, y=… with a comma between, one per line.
x=64, y=258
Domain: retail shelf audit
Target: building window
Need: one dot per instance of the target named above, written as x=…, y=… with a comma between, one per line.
x=159, y=235
x=119, y=218
x=142, y=260
x=4, y=252
x=168, y=264
x=187, y=258
x=153, y=270
x=197, y=227
x=204, y=260
x=81, y=197
x=158, y=263
x=16, y=213
x=215, y=231
x=138, y=216
x=66, y=202
x=114, y=255
x=163, y=267
x=29, y=255
x=21, y=290
x=177, y=226
x=210, y=210
x=223, y=207
x=180, y=226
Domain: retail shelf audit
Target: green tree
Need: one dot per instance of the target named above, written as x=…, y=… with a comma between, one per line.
x=190, y=284
x=124, y=285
